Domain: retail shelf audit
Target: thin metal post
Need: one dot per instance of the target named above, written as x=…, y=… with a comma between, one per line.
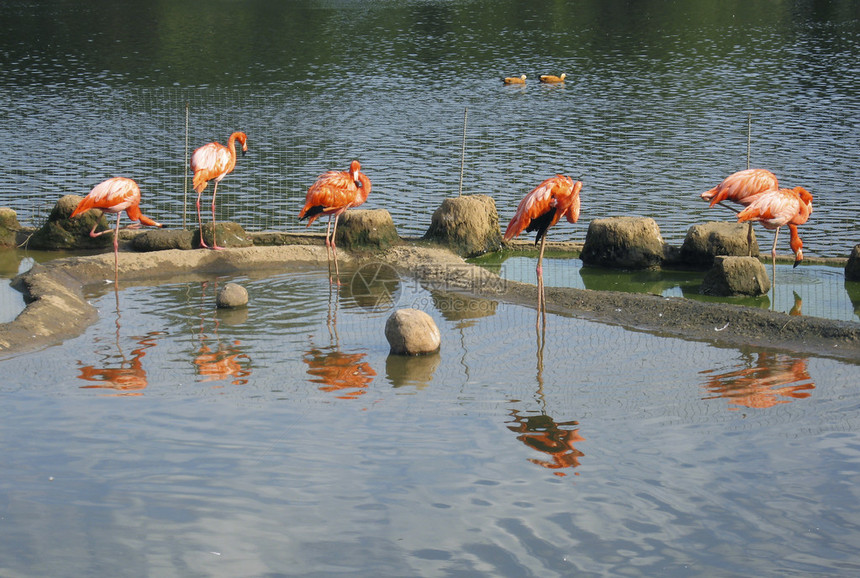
x=185, y=171
x=749, y=137
x=463, y=151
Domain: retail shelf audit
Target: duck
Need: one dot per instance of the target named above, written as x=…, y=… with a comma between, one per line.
x=550, y=79
x=515, y=79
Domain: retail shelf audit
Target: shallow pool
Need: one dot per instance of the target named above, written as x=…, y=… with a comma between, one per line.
x=813, y=290
x=172, y=438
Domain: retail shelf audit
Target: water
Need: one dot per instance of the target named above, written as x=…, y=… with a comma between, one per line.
x=175, y=439
x=812, y=290
x=655, y=109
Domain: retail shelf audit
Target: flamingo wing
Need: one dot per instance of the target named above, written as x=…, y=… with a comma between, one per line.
x=742, y=186
x=773, y=209
x=539, y=204
x=333, y=191
x=211, y=161
x=112, y=196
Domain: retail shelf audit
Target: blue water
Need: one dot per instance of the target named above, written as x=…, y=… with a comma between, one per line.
x=172, y=438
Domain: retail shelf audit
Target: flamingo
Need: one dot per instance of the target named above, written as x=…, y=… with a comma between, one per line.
x=742, y=187
x=774, y=209
x=214, y=161
x=115, y=195
x=551, y=79
x=332, y=194
x=539, y=210
x=515, y=79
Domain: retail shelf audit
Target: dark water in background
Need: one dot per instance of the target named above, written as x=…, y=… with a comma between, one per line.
x=654, y=111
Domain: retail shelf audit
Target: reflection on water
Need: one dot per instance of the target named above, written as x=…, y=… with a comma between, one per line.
x=555, y=439
x=766, y=380
x=506, y=450
x=118, y=372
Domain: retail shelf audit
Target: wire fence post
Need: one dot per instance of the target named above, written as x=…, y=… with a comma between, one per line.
x=185, y=171
x=749, y=137
x=463, y=151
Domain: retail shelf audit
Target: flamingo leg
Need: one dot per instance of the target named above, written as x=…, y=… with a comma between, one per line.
x=116, y=253
x=200, y=221
x=334, y=247
x=328, y=247
x=773, y=251
x=541, y=296
x=214, y=240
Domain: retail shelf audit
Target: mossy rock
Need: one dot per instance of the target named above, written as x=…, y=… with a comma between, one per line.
x=623, y=243
x=852, y=267
x=9, y=227
x=229, y=235
x=60, y=232
x=366, y=228
x=468, y=225
x=736, y=276
x=163, y=239
x=706, y=241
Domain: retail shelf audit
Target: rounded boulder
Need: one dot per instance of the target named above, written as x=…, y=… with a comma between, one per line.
x=412, y=332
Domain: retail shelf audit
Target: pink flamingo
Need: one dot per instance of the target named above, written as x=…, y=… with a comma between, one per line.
x=332, y=194
x=773, y=209
x=114, y=196
x=539, y=210
x=214, y=161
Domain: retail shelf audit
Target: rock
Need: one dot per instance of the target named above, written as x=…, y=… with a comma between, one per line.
x=163, y=239
x=366, y=228
x=623, y=243
x=9, y=227
x=231, y=295
x=412, y=332
x=732, y=276
x=468, y=225
x=706, y=241
x=60, y=232
x=229, y=235
x=852, y=267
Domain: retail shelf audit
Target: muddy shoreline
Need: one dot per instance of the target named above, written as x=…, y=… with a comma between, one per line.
x=57, y=311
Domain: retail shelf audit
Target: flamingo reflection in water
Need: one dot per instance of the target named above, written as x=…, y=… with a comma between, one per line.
x=217, y=359
x=226, y=361
x=333, y=369
x=772, y=379
x=555, y=439
x=542, y=433
x=129, y=377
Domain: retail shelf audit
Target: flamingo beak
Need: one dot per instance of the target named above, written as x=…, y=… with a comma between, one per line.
x=355, y=180
x=797, y=259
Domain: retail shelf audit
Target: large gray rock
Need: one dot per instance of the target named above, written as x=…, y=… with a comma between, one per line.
x=412, y=332
x=735, y=276
x=60, y=232
x=230, y=296
x=468, y=225
x=366, y=228
x=229, y=235
x=706, y=241
x=852, y=267
x=163, y=239
x=9, y=227
x=623, y=243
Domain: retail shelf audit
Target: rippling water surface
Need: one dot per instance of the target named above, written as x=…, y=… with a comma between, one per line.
x=655, y=108
x=175, y=438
